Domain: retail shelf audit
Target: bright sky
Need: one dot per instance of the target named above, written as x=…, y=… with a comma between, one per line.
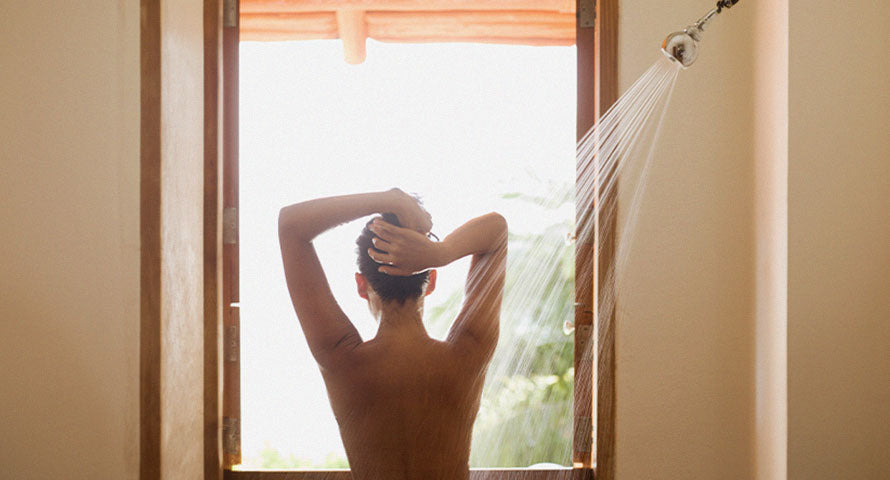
x=459, y=124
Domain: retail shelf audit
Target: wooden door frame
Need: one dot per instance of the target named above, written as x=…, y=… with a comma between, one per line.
x=597, y=47
x=221, y=366
x=230, y=269
x=213, y=241
x=605, y=90
x=597, y=91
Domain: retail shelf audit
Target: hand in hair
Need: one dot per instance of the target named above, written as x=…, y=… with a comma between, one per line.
x=405, y=252
x=410, y=213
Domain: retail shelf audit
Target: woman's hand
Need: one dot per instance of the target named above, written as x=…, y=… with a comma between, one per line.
x=409, y=212
x=406, y=252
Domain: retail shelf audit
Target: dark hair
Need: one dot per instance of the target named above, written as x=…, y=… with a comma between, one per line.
x=388, y=287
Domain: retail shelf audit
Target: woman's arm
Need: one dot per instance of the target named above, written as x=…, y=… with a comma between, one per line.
x=326, y=327
x=407, y=253
x=305, y=221
x=478, y=324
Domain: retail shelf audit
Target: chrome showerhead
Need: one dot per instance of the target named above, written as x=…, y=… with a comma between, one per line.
x=682, y=47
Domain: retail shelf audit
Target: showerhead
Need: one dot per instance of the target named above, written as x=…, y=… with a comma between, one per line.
x=682, y=47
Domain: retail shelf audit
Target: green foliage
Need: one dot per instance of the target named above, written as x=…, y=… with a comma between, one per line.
x=271, y=458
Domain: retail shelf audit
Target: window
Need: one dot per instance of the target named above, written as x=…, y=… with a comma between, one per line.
x=580, y=441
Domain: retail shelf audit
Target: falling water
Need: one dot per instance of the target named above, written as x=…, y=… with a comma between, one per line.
x=528, y=392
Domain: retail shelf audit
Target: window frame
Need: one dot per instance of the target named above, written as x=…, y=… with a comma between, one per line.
x=594, y=395
x=475, y=474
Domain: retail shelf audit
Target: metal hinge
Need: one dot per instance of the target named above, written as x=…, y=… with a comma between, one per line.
x=230, y=226
x=584, y=336
x=583, y=434
x=230, y=13
x=232, y=344
x=231, y=436
x=586, y=13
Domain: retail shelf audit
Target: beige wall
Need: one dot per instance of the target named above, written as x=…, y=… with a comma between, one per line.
x=754, y=319
x=685, y=374
x=839, y=241
x=700, y=324
x=69, y=243
x=770, y=140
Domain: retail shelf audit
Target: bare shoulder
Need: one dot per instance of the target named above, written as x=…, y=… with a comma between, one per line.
x=359, y=355
x=342, y=353
x=472, y=352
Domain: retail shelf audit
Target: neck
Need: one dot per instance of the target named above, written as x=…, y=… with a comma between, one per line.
x=401, y=319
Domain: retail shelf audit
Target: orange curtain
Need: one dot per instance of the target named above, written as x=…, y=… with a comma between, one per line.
x=518, y=22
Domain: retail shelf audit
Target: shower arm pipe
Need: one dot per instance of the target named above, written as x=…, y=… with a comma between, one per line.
x=698, y=27
x=721, y=4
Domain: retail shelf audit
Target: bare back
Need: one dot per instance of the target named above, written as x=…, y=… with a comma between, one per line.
x=406, y=406
x=405, y=403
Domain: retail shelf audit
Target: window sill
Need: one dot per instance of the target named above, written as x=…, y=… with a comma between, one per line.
x=475, y=474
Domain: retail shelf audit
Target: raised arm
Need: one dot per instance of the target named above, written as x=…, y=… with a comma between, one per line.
x=485, y=238
x=328, y=331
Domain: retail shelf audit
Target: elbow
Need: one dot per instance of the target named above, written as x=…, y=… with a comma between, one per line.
x=499, y=226
x=282, y=224
x=287, y=226
x=498, y=220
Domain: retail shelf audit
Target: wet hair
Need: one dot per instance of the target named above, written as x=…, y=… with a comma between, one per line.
x=388, y=287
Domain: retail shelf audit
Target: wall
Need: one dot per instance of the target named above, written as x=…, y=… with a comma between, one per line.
x=754, y=312
x=770, y=141
x=685, y=331
x=69, y=245
x=700, y=346
x=839, y=241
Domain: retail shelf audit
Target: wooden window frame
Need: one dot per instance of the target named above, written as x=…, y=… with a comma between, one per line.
x=596, y=39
